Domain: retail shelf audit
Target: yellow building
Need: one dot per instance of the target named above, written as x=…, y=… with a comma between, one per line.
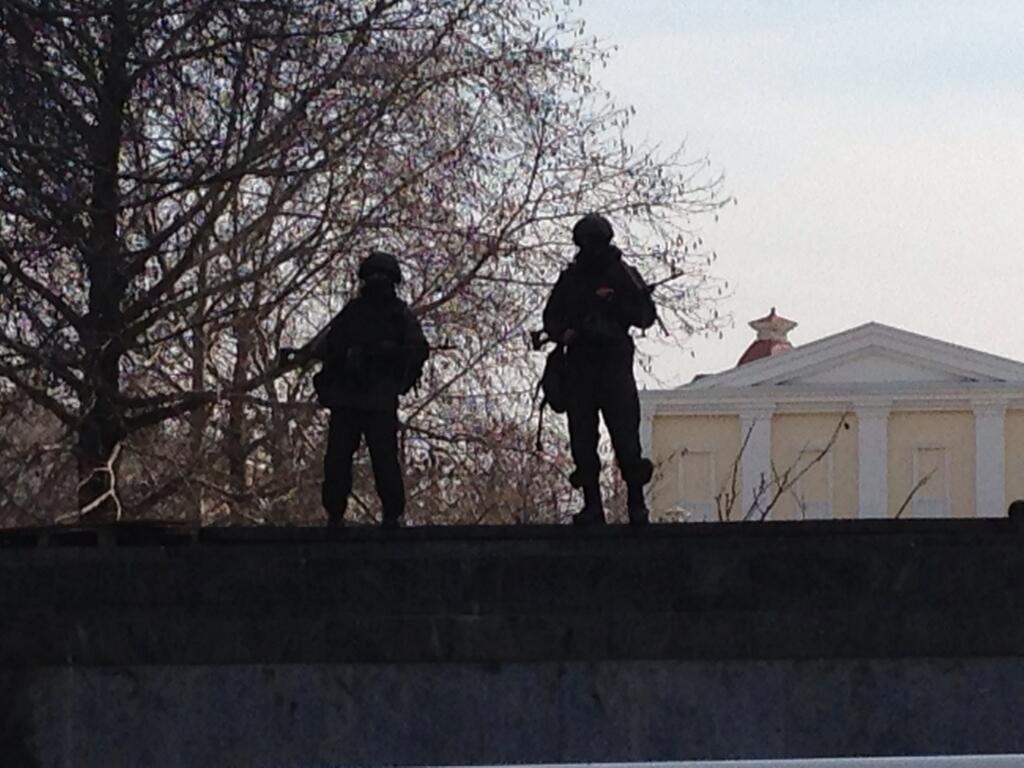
x=872, y=422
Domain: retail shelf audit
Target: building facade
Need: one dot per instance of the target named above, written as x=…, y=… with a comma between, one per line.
x=873, y=422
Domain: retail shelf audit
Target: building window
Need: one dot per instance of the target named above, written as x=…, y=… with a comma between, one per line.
x=813, y=488
x=695, y=487
x=931, y=482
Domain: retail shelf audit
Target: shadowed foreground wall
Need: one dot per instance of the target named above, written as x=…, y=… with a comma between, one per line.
x=289, y=648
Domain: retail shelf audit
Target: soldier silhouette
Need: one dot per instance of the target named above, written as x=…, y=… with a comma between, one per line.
x=595, y=301
x=373, y=351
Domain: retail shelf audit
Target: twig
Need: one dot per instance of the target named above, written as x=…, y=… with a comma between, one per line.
x=913, y=491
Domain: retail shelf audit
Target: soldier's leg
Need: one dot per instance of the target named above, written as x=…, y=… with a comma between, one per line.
x=382, y=439
x=620, y=406
x=343, y=435
x=582, y=414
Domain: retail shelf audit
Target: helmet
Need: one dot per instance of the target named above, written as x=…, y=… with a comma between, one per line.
x=380, y=263
x=592, y=229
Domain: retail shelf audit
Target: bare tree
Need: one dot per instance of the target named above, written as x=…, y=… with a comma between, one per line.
x=184, y=187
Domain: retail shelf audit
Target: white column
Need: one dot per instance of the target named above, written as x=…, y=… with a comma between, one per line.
x=873, y=460
x=755, y=462
x=647, y=410
x=989, y=459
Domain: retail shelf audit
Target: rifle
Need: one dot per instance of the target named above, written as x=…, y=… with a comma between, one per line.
x=649, y=289
x=292, y=357
x=674, y=275
x=539, y=338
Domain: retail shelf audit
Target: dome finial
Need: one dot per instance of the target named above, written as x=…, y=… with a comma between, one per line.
x=772, y=337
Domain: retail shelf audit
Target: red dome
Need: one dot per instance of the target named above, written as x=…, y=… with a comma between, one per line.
x=771, y=337
x=764, y=348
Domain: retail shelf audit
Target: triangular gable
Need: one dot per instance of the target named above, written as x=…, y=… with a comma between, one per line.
x=875, y=366
x=870, y=353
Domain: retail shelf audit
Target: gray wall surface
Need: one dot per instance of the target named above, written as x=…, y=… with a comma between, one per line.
x=316, y=715
x=141, y=646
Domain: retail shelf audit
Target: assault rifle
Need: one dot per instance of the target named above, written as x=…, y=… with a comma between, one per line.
x=540, y=338
x=674, y=275
x=650, y=289
x=296, y=357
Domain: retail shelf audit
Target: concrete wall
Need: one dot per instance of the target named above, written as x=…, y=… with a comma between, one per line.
x=306, y=648
x=311, y=716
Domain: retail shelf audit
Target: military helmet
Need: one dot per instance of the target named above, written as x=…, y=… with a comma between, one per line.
x=592, y=229
x=380, y=263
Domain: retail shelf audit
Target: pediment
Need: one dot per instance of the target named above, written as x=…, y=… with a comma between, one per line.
x=874, y=367
x=870, y=354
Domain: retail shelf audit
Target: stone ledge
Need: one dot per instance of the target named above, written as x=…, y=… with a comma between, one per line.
x=167, y=534
x=146, y=595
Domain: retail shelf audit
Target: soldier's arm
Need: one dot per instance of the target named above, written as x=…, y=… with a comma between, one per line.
x=415, y=352
x=318, y=347
x=556, y=311
x=314, y=349
x=333, y=343
x=635, y=300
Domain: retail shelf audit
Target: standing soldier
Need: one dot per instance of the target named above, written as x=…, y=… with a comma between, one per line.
x=373, y=351
x=594, y=303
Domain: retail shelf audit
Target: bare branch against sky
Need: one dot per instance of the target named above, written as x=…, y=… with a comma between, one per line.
x=184, y=188
x=875, y=148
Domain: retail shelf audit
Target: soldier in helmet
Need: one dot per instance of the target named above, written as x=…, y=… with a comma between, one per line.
x=596, y=300
x=373, y=351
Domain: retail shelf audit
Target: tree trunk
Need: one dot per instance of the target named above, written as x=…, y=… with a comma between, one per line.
x=98, y=450
x=200, y=418
x=237, y=429
x=102, y=428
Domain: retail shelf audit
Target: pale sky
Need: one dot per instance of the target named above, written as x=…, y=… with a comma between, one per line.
x=876, y=150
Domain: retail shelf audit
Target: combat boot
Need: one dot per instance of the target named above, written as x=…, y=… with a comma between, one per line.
x=335, y=513
x=593, y=508
x=636, y=505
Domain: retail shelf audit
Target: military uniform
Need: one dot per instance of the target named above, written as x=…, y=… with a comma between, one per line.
x=373, y=352
x=591, y=308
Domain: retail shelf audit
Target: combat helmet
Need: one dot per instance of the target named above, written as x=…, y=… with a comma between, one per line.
x=592, y=229
x=380, y=263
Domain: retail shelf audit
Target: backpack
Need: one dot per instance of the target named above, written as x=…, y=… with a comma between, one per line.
x=554, y=380
x=554, y=383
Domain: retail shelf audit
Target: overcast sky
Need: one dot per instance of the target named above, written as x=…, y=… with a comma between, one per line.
x=876, y=150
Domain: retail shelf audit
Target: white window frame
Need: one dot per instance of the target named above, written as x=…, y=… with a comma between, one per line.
x=694, y=511
x=923, y=508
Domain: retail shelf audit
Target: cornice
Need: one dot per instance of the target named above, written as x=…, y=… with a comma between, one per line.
x=968, y=396
x=990, y=405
